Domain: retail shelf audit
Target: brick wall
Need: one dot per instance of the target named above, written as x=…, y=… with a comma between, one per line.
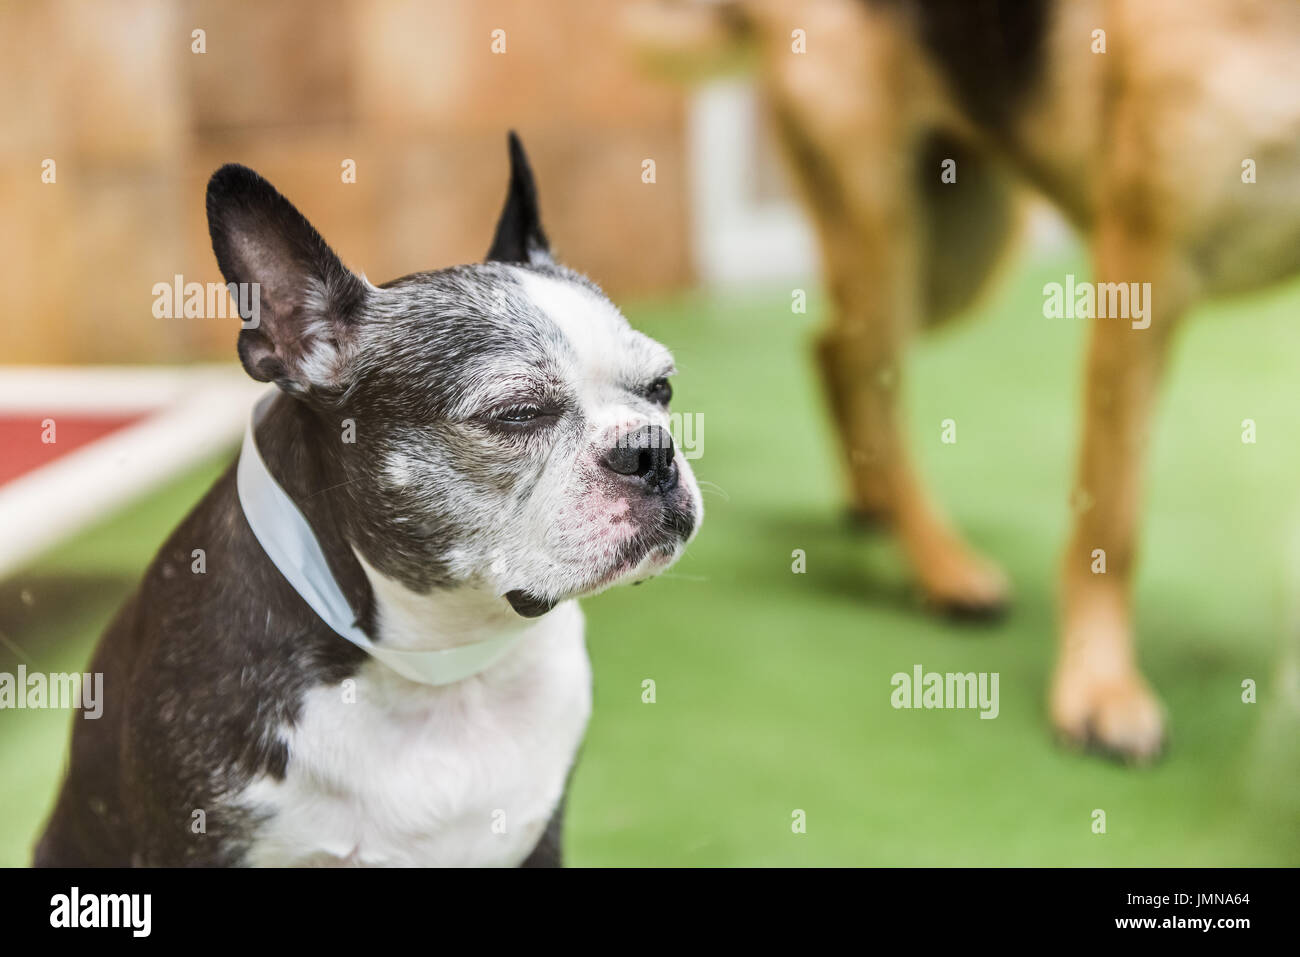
x=411, y=91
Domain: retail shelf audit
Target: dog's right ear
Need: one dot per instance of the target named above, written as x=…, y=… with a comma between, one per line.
x=519, y=237
x=301, y=337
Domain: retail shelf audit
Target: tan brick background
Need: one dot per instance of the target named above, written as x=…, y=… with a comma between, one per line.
x=136, y=122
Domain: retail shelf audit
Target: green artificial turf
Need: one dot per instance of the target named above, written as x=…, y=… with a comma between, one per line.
x=773, y=688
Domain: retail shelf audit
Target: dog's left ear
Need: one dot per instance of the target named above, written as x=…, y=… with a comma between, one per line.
x=302, y=336
x=519, y=237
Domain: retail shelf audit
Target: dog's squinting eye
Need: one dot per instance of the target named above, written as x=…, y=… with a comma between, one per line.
x=520, y=415
x=660, y=391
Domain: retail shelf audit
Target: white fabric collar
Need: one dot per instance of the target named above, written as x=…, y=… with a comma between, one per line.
x=289, y=542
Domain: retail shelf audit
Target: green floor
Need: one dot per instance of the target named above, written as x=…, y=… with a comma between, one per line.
x=773, y=689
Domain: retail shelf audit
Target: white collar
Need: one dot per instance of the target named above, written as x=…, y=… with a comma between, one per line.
x=289, y=542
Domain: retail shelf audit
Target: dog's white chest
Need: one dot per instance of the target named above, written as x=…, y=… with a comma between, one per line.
x=384, y=772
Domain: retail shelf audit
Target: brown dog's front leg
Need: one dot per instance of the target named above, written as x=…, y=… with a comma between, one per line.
x=1098, y=694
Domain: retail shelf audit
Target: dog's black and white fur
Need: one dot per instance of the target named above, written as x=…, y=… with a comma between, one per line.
x=510, y=455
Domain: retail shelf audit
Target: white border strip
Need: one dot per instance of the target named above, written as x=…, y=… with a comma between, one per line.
x=199, y=411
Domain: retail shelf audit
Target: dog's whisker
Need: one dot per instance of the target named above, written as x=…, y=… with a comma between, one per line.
x=13, y=647
x=330, y=488
x=684, y=577
x=714, y=488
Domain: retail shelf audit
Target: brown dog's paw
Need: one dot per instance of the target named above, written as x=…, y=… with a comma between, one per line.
x=1119, y=716
x=965, y=586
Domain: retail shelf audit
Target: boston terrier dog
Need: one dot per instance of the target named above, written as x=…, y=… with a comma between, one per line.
x=381, y=659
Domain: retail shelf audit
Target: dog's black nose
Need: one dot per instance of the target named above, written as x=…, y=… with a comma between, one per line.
x=645, y=455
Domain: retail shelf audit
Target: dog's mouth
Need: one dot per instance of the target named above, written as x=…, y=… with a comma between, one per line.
x=640, y=560
x=641, y=565
x=528, y=605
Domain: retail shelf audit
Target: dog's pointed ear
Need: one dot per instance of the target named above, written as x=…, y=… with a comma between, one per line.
x=307, y=302
x=519, y=237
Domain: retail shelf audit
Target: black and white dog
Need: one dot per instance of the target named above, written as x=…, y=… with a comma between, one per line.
x=471, y=450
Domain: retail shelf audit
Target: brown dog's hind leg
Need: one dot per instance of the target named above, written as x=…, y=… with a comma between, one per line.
x=871, y=273
x=848, y=120
x=860, y=371
x=963, y=234
x=1098, y=694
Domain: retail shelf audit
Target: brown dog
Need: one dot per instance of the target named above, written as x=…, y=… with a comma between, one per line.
x=1144, y=121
